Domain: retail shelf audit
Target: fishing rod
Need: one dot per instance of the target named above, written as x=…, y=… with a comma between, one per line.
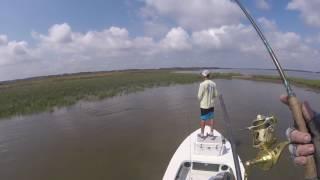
x=312, y=172
x=233, y=146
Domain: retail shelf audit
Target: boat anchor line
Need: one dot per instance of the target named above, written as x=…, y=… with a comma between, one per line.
x=231, y=139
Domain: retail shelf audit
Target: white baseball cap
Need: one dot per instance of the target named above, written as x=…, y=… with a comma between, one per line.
x=205, y=73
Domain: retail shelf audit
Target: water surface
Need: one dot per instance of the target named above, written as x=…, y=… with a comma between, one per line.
x=134, y=136
x=299, y=74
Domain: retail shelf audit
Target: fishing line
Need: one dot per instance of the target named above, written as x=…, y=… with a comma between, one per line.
x=190, y=141
x=231, y=137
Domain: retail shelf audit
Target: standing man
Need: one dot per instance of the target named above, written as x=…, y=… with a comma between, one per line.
x=206, y=95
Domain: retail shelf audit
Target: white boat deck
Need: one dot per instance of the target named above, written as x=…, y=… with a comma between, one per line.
x=206, y=157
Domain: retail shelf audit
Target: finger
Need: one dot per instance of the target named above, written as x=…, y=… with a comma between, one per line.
x=301, y=160
x=284, y=99
x=307, y=112
x=299, y=137
x=304, y=150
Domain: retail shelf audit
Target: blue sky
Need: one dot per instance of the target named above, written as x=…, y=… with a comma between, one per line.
x=53, y=37
x=20, y=17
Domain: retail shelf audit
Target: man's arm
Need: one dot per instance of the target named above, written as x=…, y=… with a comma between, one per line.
x=200, y=92
x=215, y=94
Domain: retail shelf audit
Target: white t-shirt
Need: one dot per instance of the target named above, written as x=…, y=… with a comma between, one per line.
x=207, y=93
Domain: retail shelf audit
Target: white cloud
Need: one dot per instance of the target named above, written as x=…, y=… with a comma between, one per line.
x=12, y=52
x=309, y=10
x=263, y=4
x=59, y=33
x=176, y=39
x=18, y=48
x=63, y=50
x=194, y=14
x=267, y=24
x=155, y=29
x=313, y=39
x=3, y=39
x=242, y=42
x=208, y=38
x=107, y=43
x=232, y=37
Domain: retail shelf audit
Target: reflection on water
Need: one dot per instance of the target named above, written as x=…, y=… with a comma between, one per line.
x=134, y=136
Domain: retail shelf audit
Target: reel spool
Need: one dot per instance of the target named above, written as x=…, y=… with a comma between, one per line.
x=263, y=133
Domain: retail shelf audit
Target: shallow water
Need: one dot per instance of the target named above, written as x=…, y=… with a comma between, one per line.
x=134, y=136
x=299, y=74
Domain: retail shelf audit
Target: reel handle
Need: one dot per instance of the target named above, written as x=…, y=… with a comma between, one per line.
x=295, y=106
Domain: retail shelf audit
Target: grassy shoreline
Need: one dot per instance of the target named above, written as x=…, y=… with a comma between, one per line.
x=309, y=83
x=43, y=94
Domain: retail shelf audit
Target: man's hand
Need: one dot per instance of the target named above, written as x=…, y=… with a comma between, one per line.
x=301, y=145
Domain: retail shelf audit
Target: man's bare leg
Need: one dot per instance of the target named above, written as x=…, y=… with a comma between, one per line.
x=212, y=127
x=202, y=125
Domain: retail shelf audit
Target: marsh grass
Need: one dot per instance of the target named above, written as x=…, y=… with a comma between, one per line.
x=43, y=94
x=46, y=93
x=311, y=83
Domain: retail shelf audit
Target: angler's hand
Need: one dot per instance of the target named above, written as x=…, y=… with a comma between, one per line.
x=301, y=145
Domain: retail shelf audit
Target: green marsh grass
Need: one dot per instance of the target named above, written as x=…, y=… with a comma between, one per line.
x=311, y=83
x=43, y=94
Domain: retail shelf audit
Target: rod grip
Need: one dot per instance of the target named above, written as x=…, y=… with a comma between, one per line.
x=314, y=128
x=295, y=106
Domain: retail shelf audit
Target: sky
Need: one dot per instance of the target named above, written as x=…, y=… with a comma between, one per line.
x=42, y=37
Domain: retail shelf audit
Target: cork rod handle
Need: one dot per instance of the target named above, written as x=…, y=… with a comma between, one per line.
x=295, y=106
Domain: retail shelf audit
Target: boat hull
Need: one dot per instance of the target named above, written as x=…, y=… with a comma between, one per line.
x=210, y=153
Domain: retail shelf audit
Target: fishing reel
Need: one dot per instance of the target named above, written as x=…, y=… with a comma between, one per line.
x=264, y=139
